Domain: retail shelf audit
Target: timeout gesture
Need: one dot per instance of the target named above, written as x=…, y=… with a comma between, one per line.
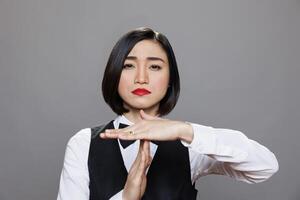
x=152, y=128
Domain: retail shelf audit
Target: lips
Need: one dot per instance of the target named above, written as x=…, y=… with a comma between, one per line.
x=141, y=91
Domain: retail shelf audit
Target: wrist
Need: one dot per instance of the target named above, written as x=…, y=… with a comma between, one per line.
x=186, y=132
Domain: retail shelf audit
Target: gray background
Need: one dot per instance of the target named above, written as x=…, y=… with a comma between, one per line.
x=239, y=67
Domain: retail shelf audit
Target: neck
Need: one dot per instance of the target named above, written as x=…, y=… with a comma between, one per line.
x=134, y=115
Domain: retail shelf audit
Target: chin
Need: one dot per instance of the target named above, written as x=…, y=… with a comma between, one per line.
x=139, y=106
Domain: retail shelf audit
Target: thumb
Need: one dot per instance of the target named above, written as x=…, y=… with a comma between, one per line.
x=146, y=116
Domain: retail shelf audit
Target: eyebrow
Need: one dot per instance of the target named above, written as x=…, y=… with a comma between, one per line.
x=148, y=58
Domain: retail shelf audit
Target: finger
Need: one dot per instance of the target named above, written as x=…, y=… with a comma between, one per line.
x=145, y=153
x=137, y=160
x=135, y=168
x=147, y=160
x=130, y=127
x=111, y=135
x=138, y=133
x=120, y=133
x=146, y=148
x=127, y=129
x=141, y=145
x=134, y=136
x=117, y=133
x=142, y=154
x=142, y=166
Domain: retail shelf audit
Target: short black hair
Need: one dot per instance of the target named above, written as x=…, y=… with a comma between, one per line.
x=116, y=61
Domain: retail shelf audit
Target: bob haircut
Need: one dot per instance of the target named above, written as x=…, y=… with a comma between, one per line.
x=115, y=64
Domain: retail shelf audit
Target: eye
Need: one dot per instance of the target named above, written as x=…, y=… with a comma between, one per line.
x=155, y=67
x=127, y=66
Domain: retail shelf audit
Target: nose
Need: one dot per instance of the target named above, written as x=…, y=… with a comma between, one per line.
x=141, y=75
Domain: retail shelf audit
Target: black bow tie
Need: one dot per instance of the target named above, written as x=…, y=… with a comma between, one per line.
x=126, y=143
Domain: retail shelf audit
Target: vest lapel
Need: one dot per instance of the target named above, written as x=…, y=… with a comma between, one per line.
x=106, y=167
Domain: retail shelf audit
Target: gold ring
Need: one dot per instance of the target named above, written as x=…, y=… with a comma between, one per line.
x=131, y=132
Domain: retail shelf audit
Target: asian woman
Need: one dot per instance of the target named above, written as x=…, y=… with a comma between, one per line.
x=143, y=155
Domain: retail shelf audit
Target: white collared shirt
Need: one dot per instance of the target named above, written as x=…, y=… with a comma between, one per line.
x=212, y=151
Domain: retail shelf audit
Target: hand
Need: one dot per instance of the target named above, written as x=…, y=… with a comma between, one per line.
x=152, y=128
x=136, y=180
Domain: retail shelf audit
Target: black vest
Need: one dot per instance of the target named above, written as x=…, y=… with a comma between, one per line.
x=168, y=177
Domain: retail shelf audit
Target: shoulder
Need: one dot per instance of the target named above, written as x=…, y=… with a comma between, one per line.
x=80, y=140
x=80, y=135
x=76, y=151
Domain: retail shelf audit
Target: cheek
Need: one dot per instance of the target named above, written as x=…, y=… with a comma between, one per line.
x=126, y=83
x=161, y=83
x=122, y=84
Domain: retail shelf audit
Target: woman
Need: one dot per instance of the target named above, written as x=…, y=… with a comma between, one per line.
x=139, y=154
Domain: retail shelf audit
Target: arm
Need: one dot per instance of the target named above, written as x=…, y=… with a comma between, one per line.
x=228, y=152
x=74, y=179
x=213, y=150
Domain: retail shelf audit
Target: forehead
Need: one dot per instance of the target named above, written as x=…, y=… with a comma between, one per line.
x=146, y=48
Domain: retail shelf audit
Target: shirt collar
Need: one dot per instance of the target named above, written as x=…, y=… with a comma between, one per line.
x=121, y=119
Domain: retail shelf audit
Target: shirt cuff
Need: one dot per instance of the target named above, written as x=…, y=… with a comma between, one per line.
x=224, y=145
x=204, y=139
x=117, y=196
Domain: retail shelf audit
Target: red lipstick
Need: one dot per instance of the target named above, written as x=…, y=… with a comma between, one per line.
x=141, y=91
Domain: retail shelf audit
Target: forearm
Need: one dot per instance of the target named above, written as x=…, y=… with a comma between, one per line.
x=233, y=153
